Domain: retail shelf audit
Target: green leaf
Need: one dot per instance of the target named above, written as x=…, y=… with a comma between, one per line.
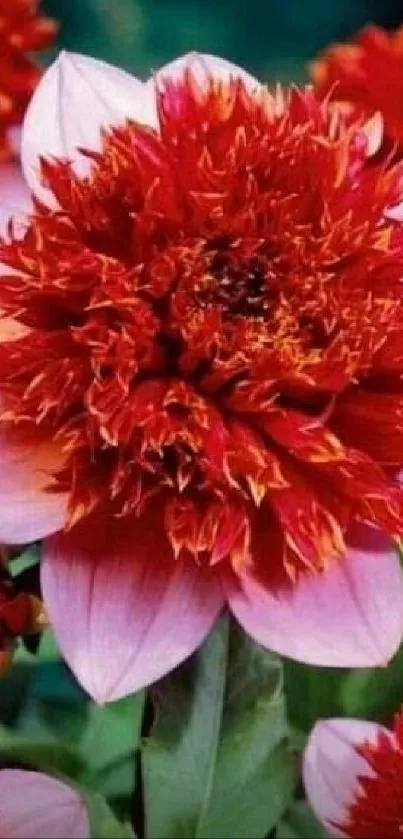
x=109, y=745
x=14, y=689
x=47, y=755
x=376, y=693
x=27, y=559
x=312, y=693
x=300, y=823
x=112, y=732
x=103, y=822
x=216, y=764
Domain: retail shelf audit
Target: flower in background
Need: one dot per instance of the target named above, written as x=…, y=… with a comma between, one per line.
x=353, y=776
x=201, y=371
x=366, y=76
x=35, y=806
x=21, y=614
x=22, y=32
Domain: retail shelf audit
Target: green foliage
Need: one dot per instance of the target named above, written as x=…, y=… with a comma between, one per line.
x=300, y=823
x=217, y=764
x=56, y=729
x=273, y=39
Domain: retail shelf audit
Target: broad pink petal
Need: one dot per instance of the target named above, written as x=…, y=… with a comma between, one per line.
x=123, y=610
x=349, y=616
x=205, y=66
x=35, y=806
x=76, y=98
x=331, y=767
x=27, y=510
x=15, y=199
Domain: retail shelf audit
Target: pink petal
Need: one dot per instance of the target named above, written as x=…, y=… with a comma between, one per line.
x=35, y=806
x=124, y=612
x=205, y=66
x=349, y=616
x=77, y=97
x=27, y=510
x=374, y=130
x=15, y=199
x=395, y=213
x=331, y=767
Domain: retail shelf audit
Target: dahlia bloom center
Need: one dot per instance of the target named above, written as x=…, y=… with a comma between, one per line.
x=208, y=326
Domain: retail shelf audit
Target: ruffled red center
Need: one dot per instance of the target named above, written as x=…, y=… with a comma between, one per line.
x=367, y=75
x=22, y=31
x=377, y=811
x=213, y=326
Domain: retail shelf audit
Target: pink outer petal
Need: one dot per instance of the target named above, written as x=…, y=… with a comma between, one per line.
x=124, y=612
x=35, y=806
x=27, y=511
x=349, y=616
x=331, y=767
x=76, y=98
x=205, y=66
x=15, y=199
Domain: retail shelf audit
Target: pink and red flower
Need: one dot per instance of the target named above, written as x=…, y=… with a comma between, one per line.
x=353, y=774
x=366, y=76
x=201, y=371
x=36, y=806
x=21, y=613
x=22, y=32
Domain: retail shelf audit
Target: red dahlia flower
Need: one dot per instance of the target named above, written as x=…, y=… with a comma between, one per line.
x=36, y=806
x=366, y=76
x=201, y=371
x=22, y=32
x=20, y=614
x=353, y=775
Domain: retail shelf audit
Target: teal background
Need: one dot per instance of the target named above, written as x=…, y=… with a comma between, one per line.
x=272, y=38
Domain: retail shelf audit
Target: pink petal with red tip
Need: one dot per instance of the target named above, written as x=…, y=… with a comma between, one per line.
x=350, y=615
x=76, y=98
x=331, y=767
x=28, y=510
x=124, y=611
x=35, y=806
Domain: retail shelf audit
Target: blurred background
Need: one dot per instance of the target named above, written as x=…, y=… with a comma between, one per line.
x=272, y=38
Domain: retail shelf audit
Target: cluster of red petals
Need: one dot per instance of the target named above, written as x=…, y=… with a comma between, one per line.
x=22, y=32
x=211, y=327
x=366, y=76
x=378, y=806
x=20, y=614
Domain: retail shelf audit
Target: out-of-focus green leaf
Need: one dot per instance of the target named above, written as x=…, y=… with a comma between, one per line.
x=15, y=687
x=103, y=822
x=116, y=780
x=112, y=732
x=312, y=693
x=300, y=823
x=374, y=694
x=27, y=559
x=216, y=764
x=109, y=744
x=47, y=755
